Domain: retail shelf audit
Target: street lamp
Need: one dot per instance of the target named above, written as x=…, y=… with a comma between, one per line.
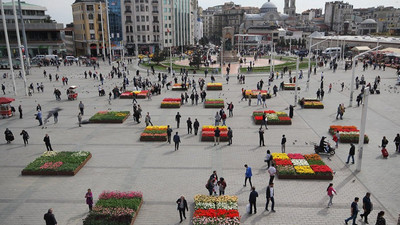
x=309, y=59
x=362, y=128
x=21, y=57
x=295, y=83
x=28, y=63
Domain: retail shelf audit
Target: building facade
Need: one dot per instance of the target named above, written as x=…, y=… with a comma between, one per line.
x=336, y=14
x=67, y=35
x=43, y=34
x=115, y=22
x=90, y=27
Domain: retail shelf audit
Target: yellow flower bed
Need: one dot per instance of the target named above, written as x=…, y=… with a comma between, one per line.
x=214, y=84
x=280, y=156
x=303, y=170
x=281, y=113
x=156, y=128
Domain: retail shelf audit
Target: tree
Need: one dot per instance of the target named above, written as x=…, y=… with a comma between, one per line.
x=158, y=56
x=196, y=59
x=203, y=41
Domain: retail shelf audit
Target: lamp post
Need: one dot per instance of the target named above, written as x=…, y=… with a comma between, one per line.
x=354, y=72
x=362, y=128
x=8, y=47
x=221, y=54
x=102, y=29
x=309, y=60
x=21, y=57
x=295, y=83
x=28, y=63
x=108, y=32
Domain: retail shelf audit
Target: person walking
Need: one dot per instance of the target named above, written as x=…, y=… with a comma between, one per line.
x=380, y=220
x=217, y=119
x=367, y=206
x=230, y=109
x=178, y=119
x=248, y=174
x=217, y=134
x=147, y=120
x=354, y=212
x=340, y=111
x=291, y=111
x=268, y=158
x=50, y=218
x=283, y=143
x=25, y=136
x=20, y=111
x=272, y=172
x=182, y=205
x=169, y=133
x=223, y=117
x=264, y=121
x=81, y=107
x=55, y=115
x=384, y=142
x=352, y=152
x=196, y=126
x=39, y=117
x=3, y=88
x=89, y=199
x=222, y=185
x=177, y=140
x=230, y=136
x=336, y=139
x=80, y=119
x=330, y=191
x=261, y=136
x=397, y=142
x=46, y=140
x=270, y=193
x=189, y=126
x=253, y=200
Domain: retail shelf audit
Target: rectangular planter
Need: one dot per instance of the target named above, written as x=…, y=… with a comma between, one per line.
x=110, y=121
x=154, y=138
x=137, y=212
x=269, y=122
x=215, y=106
x=214, y=88
x=56, y=173
x=170, y=106
x=211, y=139
x=306, y=177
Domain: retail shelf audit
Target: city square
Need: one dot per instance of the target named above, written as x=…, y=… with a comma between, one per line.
x=113, y=132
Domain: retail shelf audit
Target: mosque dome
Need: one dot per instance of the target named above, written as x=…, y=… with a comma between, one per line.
x=268, y=7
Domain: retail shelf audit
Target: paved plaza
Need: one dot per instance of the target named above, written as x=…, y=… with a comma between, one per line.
x=121, y=162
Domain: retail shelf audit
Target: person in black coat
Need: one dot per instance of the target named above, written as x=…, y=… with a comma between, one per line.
x=196, y=126
x=177, y=140
x=291, y=111
x=178, y=119
x=182, y=205
x=189, y=125
x=352, y=152
x=25, y=136
x=367, y=206
x=46, y=140
x=50, y=218
x=270, y=197
x=253, y=199
x=169, y=132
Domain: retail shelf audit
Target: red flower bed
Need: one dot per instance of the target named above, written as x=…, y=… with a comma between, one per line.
x=211, y=134
x=216, y=213
x=321, y=168
x=171, y=100
x=283, y=162
x=284, y=118
x=295, y=156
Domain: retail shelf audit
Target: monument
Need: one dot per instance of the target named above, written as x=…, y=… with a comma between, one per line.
x=228, y=52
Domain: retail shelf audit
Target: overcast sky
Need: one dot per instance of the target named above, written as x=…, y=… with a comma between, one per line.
x=61, y=11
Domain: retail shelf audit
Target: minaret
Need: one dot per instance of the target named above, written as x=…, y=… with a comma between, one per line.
x=292, y=7
x=286, y=8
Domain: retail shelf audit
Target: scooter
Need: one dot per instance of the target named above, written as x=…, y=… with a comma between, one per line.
x=321, y=150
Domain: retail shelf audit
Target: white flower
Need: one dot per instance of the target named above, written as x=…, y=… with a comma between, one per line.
x=300, y=162
x=80, y=154
x=49, y=153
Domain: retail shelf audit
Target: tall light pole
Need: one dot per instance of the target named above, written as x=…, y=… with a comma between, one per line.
x=354, y=72
x=170, y=54
x=8, y=47
x=102, y=29
x=296, y=80
x=221, y=54
x=108, y=32
x=28, y=63
x=362, y=128
x=21, y=57
x=309, y=60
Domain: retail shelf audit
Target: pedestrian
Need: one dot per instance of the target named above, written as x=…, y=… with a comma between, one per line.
x=322, y=94
x=182, y=205
x=177, y=140
x=147, y=120
x=291, y=111
x=222, y=185
x=189, y=125
x=330, y=191
x=46, y=140
x=319, y=93
x=367, y=206
x=81, y=107
x=20, y=111
x=248, y=174
x=264, y=121
x=3, y=88
x=217, y=119
x=340, y=111
x=9, y=136
x=55, y=115
x=336, y=139
x=25, y=136
x=169, y=132
x=38, y=108
x=384, y=142
x=253, y=200
x=89, y=199
x=272, y=172
x=210, y=185
x=39, y=117
x=178, y=119
x=352, y=152
x=50, y=218
x=230, y=109
x=250, y=99
x=79, y=119
x=342, y=84
x=270, y=193
x=397, y=142
x=268, y=158
x=283, y=143
x=354, y=211
x=196, y=126
x=380, y=220
x=230, y=136
x=330, y=88
x=261, y=136
x=217, y=133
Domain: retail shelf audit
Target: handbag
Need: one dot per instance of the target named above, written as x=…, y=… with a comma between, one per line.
x=248, y=208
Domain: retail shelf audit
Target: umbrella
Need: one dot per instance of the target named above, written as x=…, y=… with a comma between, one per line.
x=4, y=100
x=93, y=58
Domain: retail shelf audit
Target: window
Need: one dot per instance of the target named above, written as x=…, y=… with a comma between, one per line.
x=143, y=27
x=141, y=8
x=131, y=29
x=137, y=18
x=169, y=17
x=142, y=18
x=91, y=26
x=148, y=37
x=89, y=7
x=138, y=37
x=147, y=8
x=137, y=8
x=138, y=28
x=155, y=18
x=147, y=18
x=144, y=38
x=166, y=41
x=92, y=37
x=90, y=16
x=148, y=27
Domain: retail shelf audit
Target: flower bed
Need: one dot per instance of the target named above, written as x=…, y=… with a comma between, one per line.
x=274, y=118
x=115, y=208
x=171, y=103
x=290, y=86
x=298, y=166
x=139, y=94
x=254, y=93
x=57, y=163
x=311, y=103
x=212, y=210
x=214, y=103
x=154, y=133
x=214, y=87
x=207, y=133
x=347, y=134
x=179, y=87
x=109, y=117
